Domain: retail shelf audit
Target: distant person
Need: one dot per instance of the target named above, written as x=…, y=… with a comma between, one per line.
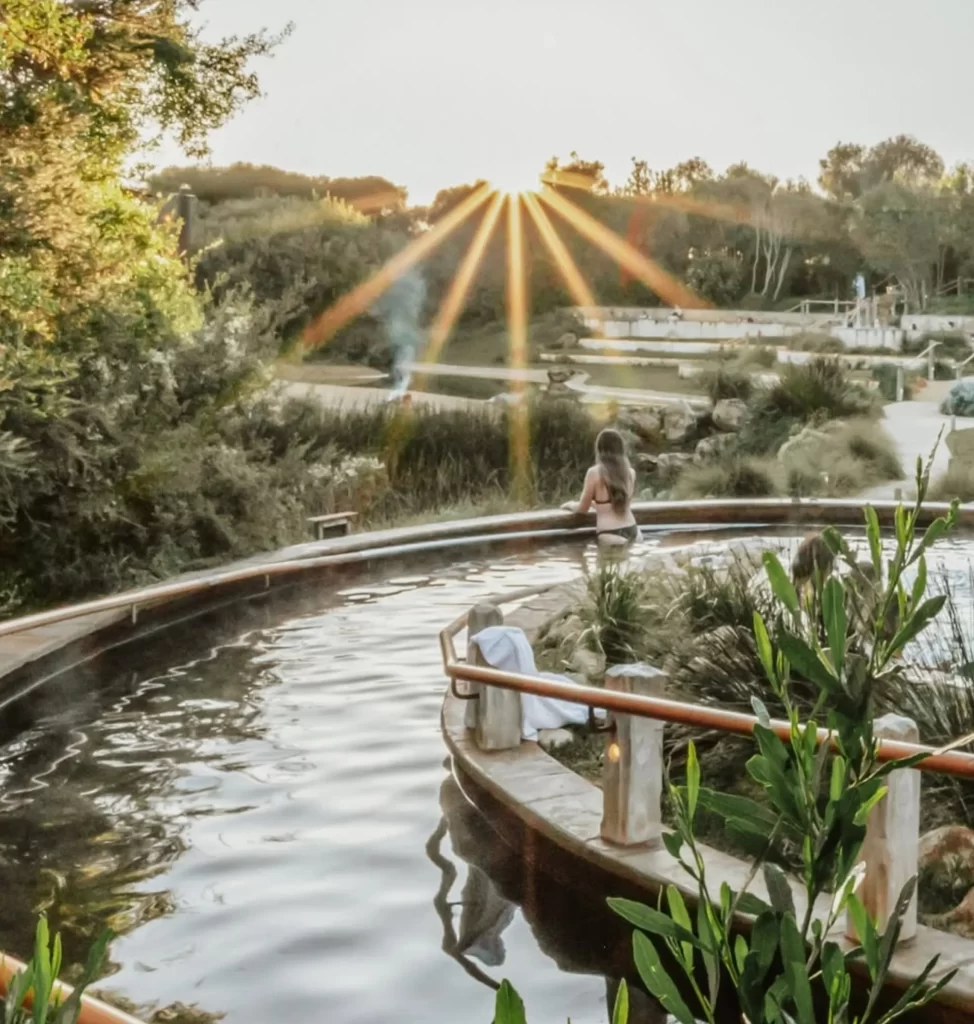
x=609, y=486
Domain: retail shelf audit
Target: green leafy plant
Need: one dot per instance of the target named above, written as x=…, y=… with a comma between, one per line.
x=508, y=1008
x=614, y=613
x=818, y=796
x=818, y=791
x=33, y=994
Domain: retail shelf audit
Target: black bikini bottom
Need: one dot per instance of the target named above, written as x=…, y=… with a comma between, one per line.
x=629, y=533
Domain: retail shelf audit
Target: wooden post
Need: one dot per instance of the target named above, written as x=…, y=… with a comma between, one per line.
x=496, y=713
x=481, y=616
x=891, y=848
x=900, y=384
x=632, y=782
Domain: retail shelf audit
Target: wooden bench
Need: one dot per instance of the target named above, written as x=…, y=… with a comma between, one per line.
x=337, y=524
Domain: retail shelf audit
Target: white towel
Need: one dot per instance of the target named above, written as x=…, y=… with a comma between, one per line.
x=506, y=648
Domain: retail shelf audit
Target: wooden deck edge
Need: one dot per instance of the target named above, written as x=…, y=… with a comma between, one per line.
x=566, y=810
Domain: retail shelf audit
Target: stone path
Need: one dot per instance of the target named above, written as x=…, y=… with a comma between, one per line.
x=579, y=384
x=337, y=396
x=914, y=427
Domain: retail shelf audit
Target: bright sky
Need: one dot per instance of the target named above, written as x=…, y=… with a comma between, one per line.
x=432, y=93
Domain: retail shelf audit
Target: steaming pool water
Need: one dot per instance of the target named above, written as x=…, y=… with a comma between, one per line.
x=260, y=805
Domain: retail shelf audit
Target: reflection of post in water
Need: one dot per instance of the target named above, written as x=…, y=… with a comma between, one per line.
x=454, y=947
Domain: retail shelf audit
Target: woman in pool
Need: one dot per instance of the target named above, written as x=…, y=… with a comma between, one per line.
x=609, y=486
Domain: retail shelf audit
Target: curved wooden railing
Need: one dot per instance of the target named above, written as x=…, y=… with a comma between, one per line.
x=533, y=526
x=663, y=515
x=945, y=762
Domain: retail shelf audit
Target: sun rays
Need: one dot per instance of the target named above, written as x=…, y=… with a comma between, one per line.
x=545, y=211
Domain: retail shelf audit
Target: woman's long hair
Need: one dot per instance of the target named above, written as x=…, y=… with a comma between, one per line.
x=610, y=451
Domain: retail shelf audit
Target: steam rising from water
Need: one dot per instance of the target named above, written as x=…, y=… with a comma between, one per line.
x=400, y=310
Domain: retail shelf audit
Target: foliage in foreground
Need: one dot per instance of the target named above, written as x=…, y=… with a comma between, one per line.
x=32, y=995
x=817, y=799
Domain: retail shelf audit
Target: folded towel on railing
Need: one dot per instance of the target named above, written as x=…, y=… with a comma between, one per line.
x=507, y=648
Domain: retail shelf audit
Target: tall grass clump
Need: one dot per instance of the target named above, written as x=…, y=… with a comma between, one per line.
x=726, y=380
x=817, y=391
x=435, y=458
x=735, y=477
x=957, y=482
x=614, y=613
x=845, y=458
x=812, y=341
x=32, y=994
x=820, y=388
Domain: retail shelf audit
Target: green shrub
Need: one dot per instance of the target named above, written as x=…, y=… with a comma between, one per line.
x=764, y=356
x=38, y=980
x=816, y=391
x=957, y=482
x=959, y=401
x=726, y=381
x=820, y=388
x=734, y=477
x=812, y=341
x=614, y=613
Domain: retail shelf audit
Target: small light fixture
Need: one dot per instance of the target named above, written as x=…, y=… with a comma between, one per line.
x=614, y=752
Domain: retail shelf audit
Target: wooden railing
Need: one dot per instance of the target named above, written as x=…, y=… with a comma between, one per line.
x=632, y=782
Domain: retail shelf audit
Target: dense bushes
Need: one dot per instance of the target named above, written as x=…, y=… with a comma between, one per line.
x=814, y=432
x=205, y=469
x=813, y=392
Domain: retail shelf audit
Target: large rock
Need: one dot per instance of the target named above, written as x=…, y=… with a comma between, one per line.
x=946, y=862
x=646, y=424
x=587, y=663
x=712, y=448
x=561, y=630
x=807, y=437
x=730, y=415
x=669, y=465
x=679, y=422
x=960, y=399
x=552, y=739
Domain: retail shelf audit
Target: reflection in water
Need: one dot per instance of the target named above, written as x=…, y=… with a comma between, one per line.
x=251, y=802
x=579, y=936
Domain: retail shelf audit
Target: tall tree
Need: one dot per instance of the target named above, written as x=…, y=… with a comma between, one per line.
x=82, y=84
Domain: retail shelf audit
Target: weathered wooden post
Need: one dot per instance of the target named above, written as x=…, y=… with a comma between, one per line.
x=891, y=849
x=900, y=384
x=496, y=713
x=632, y=783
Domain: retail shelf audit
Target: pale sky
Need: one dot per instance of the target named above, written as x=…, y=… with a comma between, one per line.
x=432, y=93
